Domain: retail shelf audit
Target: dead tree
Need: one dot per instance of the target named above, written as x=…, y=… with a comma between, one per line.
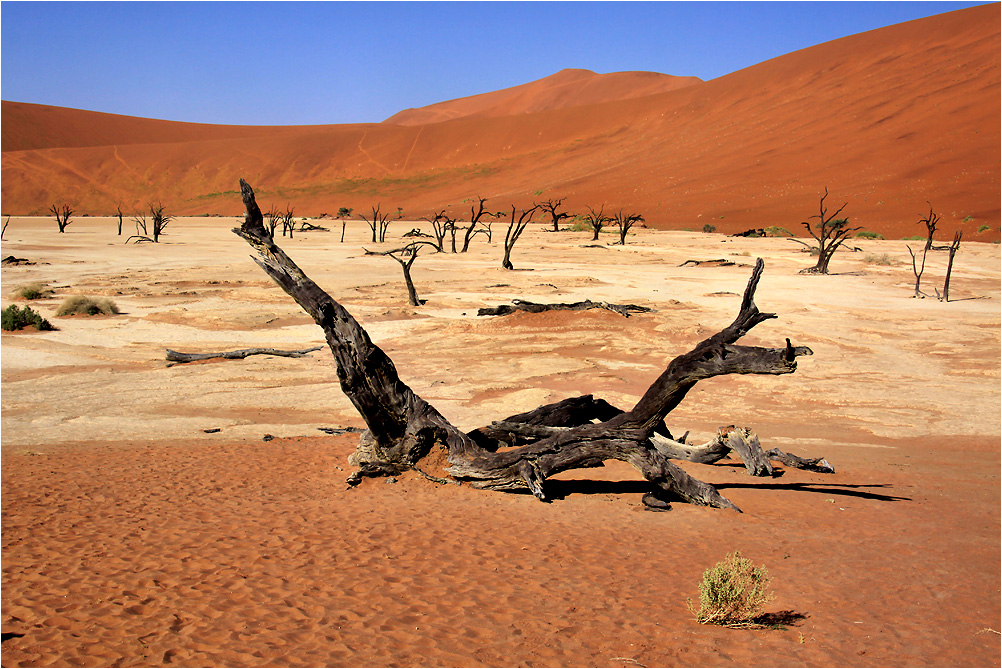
x=405, y=432
x=930, y=225
x=274, y=218
x=378, y=224
x=151, y=231
x=552, y=207
x=477, y=225
x=918, y=269
x=343, y=213
x=953, y=248
x=119, y=207
x=306, y=226
x=829, y=232
x=4, y=230
x=62, y=216
x=624, y=222
x=406, y=257
x=180, y=358
x=160, y=220
x=440, y=225
x=515, y=230
x=536, y=308
x=596, y=221
x=288, y=222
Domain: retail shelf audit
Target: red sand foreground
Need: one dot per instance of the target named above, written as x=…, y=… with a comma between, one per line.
x=206, y=554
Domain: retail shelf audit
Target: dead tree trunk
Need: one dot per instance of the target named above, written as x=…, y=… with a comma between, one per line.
x=536, y=308
x=930, y=225
x=829, y=233
x=515, y=230
x=917, y=269
x=552, y=207
x=954, y=247
x=179, y=357
x=378, y=224
x=62, y=216
x=403, y=429
x=288, y=224
x=440, y=225
x=624, y=222
x=119, y=221
x=406, y=257
x=477, y=212
x=596, y=221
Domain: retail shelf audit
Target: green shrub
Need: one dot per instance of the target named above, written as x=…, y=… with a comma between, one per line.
x=776, y=231
x=967, y=218
x=710, y=228
x=732, y=593
x=79, y=304
x=914, y=238
x=15, y=318
x=983, y=228
x=866, y=234
x=31, y=291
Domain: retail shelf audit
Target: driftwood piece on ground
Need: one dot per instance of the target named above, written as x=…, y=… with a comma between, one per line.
x=405, y=432
x=336, y=431
x=175, y=356
x=535, y=308
x=720, y=262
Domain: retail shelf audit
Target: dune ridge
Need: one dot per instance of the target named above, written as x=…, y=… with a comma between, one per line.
x=567, y=88
x=886, y=120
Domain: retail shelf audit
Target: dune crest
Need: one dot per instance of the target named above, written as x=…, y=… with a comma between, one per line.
x=567, y=88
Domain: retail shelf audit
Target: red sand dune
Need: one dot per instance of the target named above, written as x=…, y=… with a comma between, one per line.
x=886, y=120
x=567, y=88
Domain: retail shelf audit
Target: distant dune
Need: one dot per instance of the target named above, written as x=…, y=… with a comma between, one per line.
x=886, y=120
x=567, y=88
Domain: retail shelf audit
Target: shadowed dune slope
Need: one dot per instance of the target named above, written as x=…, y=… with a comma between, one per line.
x=886, y=120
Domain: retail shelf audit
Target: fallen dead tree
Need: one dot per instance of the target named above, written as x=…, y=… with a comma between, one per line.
x=175, y=356
x=719, y=262
x=535, y=308
x=406, y=433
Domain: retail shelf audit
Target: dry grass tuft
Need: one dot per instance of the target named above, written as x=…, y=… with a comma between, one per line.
x=875, y=259
x=88, y=306
x=31, y=291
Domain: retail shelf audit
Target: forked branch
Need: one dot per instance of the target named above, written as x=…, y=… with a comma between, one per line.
x=403, y=428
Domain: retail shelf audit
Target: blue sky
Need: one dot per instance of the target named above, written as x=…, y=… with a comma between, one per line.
x=287, y=63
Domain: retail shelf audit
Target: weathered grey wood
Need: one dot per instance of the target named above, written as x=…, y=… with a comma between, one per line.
x=176, y=356
x=403, y=428
x=811, y=464
x=535, y=308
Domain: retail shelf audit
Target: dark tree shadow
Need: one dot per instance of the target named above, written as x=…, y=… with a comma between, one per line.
x=557, y=489
x=843, y=489
x=781, y=619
